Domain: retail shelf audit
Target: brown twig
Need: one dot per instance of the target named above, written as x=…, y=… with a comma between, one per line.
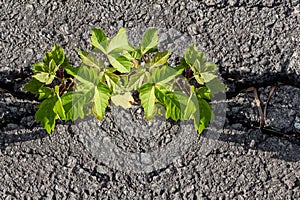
x=262, y=113
x=257, y=101
x=266, y=105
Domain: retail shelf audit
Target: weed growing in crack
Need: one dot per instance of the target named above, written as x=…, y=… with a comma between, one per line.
x=69, y=93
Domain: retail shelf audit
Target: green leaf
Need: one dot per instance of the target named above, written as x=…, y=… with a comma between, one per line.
x=46, y=115
x=136, y=80
x=111, y=78
x=53, y=67
x=182, y=66
x=163, y=75
x=122, y=85
x=39, y=67
x=49, y=111
x=207, y=77
x=57, y=54
x=87, y=76
x=197, y=61
x=201, y=58
x=216, y=86
x=203, y=93
x=58, y=107
x=190, y=107
x=121, y=63
x=73, y=103
x=161, y=58
x=101, y=98
x=45, y=92
x=33, y=86
x=48, y=75
x=123, y=100
x=209, y=67
x=129, y=56
x=36, y=87
x=170, y=101
x=95, y=92
x=99, y=40
x=191, y=55
x=172, y=105
x=160, y=93
x=203, y=117
x=44, y=77
x=72, y=70
x=136, y=54
x=149, y=40
x=199, y=79
x=147, y=96
x=91, y=60
x=119, y=42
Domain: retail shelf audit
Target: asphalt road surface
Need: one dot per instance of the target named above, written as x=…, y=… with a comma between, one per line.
x=255, y=43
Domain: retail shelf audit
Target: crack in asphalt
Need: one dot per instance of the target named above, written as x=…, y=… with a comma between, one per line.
x=253, y=41
x=4, y=88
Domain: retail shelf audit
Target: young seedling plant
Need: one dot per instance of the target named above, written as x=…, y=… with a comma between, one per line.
x=69, y=93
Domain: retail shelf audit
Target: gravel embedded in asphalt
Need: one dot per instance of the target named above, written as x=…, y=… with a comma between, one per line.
x=254, y=42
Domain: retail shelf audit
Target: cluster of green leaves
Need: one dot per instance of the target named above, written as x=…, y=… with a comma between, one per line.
x=178, y=92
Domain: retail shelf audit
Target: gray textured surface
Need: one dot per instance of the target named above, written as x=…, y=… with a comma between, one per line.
x=283, y=109
x=255, y=43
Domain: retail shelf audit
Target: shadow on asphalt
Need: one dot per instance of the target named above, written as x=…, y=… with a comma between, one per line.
x=13, y=139
x=287, y=149
x=283, y=148
x=271, y=143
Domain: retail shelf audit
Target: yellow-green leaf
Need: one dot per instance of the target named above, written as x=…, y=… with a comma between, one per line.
x=73, y=103
x=119, y=62
x=46, y=115
x=99, y=40
x=160, y=58
x=170, y=101
x=149, y=40
x=147, y=96
x=101, y=98
x=111, y=78
x=203, y=93
x=136, y=80
x=119, y=42
x=44, y=77
x=163, y=75
x=216, y=86
x=123, y=100
x=90, y=59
